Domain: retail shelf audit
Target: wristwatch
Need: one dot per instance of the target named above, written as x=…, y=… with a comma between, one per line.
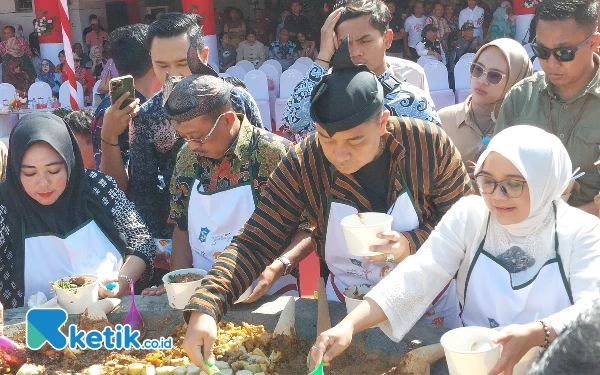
x=288, y=265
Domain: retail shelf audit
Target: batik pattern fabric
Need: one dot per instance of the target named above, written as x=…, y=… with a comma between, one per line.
x=405, y=100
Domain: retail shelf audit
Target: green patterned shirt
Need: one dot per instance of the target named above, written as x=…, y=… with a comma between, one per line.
x=233, y=169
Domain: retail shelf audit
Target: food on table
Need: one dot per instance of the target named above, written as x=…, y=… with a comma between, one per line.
x=72, y=282
x=185, y=278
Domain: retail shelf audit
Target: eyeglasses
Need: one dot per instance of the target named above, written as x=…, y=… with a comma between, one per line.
x=563, y=54
x=510, y=188
x=493, y=76
x=77, y=60
x=203, y=141
x=45, y=64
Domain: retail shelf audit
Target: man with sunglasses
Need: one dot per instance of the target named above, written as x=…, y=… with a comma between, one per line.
x=219, y=175
x=565, y=98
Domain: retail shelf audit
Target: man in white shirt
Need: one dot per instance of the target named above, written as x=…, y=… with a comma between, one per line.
x=474, y=14
x=414, y=26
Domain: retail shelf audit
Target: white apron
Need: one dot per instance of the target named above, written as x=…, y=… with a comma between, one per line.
x=491, y=299
x=215, y=218
x=348, y=270
x=86, y=250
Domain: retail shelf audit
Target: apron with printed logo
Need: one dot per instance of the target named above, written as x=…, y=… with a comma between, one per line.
x=84, y=251
x=215, y=218
x=349, y=270
x=492, y=300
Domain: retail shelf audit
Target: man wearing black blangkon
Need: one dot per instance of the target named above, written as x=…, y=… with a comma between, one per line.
x=359, y=160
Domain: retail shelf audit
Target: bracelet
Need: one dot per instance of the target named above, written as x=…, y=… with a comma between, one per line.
x=110, y=144
x=325, y=61
x=546, y=334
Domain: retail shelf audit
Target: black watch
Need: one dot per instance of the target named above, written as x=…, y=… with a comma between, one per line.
x=288, y=265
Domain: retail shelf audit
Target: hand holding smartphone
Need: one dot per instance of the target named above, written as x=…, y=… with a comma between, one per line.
x=119, y=86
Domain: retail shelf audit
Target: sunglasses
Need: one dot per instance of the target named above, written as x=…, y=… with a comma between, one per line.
x=493, y=76
x=563, y=54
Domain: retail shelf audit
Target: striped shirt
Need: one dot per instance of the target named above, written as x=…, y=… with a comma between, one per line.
x=421, y=154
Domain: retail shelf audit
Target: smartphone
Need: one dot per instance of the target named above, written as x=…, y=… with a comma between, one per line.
x=119, y=86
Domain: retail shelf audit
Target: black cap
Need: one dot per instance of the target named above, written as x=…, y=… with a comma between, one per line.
x=346, y=97
x=468, y=26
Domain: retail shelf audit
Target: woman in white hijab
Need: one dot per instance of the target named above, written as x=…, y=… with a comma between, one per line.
x=518, y=251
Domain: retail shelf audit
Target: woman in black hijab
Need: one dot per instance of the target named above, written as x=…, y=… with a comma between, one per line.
x=58, y=219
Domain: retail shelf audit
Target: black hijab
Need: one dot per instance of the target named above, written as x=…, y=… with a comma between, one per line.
x=76, y=205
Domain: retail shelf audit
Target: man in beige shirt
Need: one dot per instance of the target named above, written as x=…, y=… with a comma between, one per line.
x=251, y=50
x=565, y=98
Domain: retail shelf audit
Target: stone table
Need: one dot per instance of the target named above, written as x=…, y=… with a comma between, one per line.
x=160, y=319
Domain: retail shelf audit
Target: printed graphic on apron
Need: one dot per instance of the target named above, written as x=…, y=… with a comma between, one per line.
x=225, y=237
x=493, y=323
x=203, y=234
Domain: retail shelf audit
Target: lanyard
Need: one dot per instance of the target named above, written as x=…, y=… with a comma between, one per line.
x=564, y=138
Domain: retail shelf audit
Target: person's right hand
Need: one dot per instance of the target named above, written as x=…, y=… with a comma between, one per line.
x=200, y=338
x=116, y=120
x=265, y=281
x=328, y=35
x=154, y=291
x=332, y=343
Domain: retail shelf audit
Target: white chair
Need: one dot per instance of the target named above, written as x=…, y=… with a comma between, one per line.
x=462, y=80
x=276, y=64
x=256, y=82
x=224, y=75
x=8, y=121
x=272, y=74
x=289, y=80
x=423, y=60
x=467, y=57
x=214, y=66
x=529, y=50
x=537, y=67
x=246, y=65
x=39, y=90
x=237, y=72
x=7, y=92
x=300, y=67
x=95, y=92
x=304, y=61
x=437, y=75
x=462, y=75
x=64, y=95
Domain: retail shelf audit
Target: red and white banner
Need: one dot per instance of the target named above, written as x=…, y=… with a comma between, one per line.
x=67, y=35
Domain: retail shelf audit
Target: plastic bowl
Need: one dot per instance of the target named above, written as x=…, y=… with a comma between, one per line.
x=76, y=300
x=359, y=237
x=462, y=359
x=179, y=294
x=350, y=294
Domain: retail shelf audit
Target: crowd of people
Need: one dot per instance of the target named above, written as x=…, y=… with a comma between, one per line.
x=22, y=64
x=481, y=193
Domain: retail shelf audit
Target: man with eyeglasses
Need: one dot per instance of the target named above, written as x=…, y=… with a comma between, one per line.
x=565, y=98
x=219, y=175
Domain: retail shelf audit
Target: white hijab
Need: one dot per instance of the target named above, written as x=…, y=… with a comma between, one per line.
x=544, y=163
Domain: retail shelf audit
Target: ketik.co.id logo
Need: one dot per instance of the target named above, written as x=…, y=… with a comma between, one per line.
x=44, y=326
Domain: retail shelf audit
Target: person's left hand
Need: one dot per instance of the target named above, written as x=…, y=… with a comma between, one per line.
x=122, y=288
x=398, y=247
x=516, y=341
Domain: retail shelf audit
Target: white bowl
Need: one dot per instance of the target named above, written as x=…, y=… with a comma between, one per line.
x=460, y=357
x=76, y=300
x=359, y=237
x=350, y=294
x=179, y=294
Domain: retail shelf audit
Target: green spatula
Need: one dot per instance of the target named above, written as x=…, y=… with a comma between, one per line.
x=212, y=369
x=319, y=369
